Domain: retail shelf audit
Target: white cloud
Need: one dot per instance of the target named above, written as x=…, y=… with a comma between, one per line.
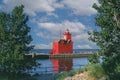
x=37, y=20
x=43, y=46
x=81, y=7
x=31, y=6
x=82, y=37
x=52, y=14
x=84, y=47
x=56, y=30
x=73, y=26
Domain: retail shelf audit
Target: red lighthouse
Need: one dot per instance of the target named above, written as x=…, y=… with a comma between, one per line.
x=67, y=35
x=63, y=46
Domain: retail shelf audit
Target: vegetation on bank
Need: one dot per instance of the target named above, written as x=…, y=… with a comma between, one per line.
x=63, y=75
x=94, y=69
x=94, y=72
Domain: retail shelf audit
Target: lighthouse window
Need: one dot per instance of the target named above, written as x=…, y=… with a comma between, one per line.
x=65, y=42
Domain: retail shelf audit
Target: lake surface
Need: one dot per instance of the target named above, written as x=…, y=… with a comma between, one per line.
x=49, y=66
x=57, y=65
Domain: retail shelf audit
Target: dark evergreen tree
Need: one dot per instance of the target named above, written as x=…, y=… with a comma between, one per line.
x=14, y=41
x=108, y=36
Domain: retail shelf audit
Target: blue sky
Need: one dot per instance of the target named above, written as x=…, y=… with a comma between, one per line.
x=49, y=18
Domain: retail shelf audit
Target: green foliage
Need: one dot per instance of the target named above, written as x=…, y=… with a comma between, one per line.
x=107, y=37
x=14, y=42
x=95, y=71
x=61, y=76
x=94, y=58
x=74, y=72
x=4, y=76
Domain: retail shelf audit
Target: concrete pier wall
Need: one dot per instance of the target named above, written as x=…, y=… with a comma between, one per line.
x=45, y=56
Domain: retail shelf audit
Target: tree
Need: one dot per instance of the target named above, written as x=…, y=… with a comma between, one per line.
x=107, y=37
x=14, y=41
x=94, y=58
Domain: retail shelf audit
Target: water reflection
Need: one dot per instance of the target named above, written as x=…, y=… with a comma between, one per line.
x=62, y=65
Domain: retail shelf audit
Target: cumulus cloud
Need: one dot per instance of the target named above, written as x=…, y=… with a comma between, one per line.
x=79, y=7
x=84, y=46
x=31, y=6
x=43, y=46
x=52, y=14
x=56, y=30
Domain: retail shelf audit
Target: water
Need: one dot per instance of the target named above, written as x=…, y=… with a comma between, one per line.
x=56, y=65
x=74, y=51
x=49, y=66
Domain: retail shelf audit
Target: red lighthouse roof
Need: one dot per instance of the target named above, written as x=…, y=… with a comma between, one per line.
x=67, y=32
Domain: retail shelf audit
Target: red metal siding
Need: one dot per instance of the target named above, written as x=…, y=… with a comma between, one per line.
x=55, y=48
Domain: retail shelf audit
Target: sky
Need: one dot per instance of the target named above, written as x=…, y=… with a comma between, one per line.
x=48, y=20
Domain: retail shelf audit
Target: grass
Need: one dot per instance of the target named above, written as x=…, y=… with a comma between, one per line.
x=63, y=75
x=95, y=72
x=74, y=72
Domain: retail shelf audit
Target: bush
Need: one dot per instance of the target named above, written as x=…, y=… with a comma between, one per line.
x=74, y=72
x=61, y=76
x=95, y=71
x=7, y=76
x=94, y=58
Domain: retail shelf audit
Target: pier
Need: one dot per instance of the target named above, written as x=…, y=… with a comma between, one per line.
x=48, y=56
